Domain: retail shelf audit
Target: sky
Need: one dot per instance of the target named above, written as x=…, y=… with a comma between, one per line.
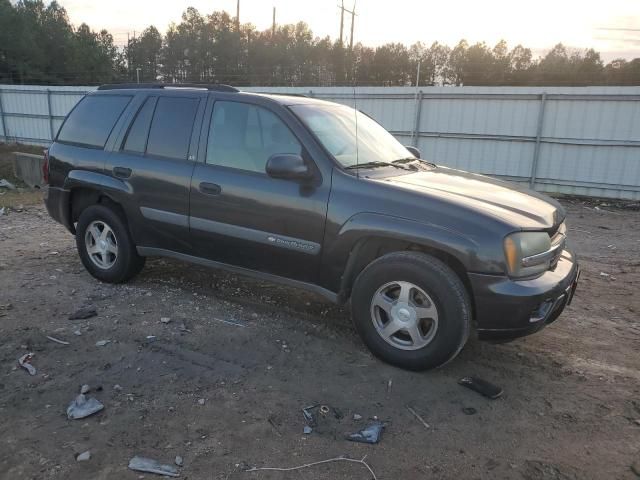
x=612, y=27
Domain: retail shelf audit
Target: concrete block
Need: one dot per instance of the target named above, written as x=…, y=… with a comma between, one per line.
x=28, y=168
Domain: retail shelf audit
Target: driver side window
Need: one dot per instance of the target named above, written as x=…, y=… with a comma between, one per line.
x=244, y=136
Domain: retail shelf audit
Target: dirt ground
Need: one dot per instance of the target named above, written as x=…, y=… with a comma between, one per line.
x=224, y=381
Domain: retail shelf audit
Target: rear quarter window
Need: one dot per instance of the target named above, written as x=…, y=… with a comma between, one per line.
x=91, y=121
x=170, y=132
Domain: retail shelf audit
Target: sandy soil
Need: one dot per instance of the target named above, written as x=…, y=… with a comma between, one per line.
x=227, y=394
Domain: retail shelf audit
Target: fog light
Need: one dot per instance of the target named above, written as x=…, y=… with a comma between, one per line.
x=541, y=312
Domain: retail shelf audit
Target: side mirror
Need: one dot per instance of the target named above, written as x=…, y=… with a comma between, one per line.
x=413, y=150
x=287, y=166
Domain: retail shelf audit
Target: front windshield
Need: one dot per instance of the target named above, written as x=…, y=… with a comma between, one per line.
x=335, y=127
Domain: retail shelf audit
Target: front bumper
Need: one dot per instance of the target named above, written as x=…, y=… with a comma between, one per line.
x=507, y=308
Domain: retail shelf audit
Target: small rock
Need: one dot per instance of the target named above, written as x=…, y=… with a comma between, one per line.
x=201, y=401
x=165, y=319
x=179, y=461
x=78, y=333
x=357, y=416
x=117, y=388
x=84, y=456
x=84, y=313
x=102, y=343
x=85, y=388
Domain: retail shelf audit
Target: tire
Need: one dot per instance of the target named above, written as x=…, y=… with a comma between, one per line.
x=116, y=260
x=424, y=338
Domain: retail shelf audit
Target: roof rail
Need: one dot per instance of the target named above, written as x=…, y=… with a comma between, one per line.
x=206, y=86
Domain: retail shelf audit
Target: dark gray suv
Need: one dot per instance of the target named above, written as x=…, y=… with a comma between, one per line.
x=314, y=195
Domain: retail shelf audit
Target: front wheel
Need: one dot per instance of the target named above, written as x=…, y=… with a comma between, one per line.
x=105, y=245
x=411, y=310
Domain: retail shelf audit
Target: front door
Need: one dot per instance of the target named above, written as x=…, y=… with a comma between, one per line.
x=241, y=216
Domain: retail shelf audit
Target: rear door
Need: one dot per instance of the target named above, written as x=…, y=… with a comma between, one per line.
x=241, y=216
x=155, y=158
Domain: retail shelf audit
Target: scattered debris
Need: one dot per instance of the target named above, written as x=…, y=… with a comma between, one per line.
x=370, y=434
x=603, y=274
x=389, y=385
x=481, y=386
x=77, y=332
x=151, y=338
x=84, y=313
x=7, y=184
x=179, y=461
x=321, y=462
x=201, y=401
x=272, y=422
x=85, y=389
x=82, y=407
x=308, y=415
x=307, y=430
x=165, y=319
x=2, y=211
x=357, y=416
x=117, y=388
x=469, y=411
x=183, y=328
x=84, y=456
x=228, y=322
x=102, y=343
x=141, y=464
x=25, y=362
x=418, y=417
x=61, y=342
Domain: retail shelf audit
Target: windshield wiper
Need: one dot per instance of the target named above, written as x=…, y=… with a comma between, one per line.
x=375, y=164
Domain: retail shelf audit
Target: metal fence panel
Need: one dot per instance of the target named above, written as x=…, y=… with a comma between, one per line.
x=574, y=140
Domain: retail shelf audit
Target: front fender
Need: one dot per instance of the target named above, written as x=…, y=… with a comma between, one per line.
x=366, y=225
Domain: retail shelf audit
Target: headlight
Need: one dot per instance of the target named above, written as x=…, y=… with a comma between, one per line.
x=528, y=253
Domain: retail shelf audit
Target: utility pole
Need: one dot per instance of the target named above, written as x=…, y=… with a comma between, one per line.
x=341, y=7
x=238, y=16
x=353, y=16
x=273, y=25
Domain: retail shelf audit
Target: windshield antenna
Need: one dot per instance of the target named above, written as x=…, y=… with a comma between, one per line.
x=355, y=112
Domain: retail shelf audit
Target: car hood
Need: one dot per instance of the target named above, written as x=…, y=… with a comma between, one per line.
x=520, y=207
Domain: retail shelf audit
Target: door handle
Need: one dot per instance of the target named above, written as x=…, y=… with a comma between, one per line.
x=210, y=188
x=122, y=172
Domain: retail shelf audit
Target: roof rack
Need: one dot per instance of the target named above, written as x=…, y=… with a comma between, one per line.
x=206, y=86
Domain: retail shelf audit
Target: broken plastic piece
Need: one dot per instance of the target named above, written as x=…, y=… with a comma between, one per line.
x=141, y=464
x=82, y=407
x=307, y=430
x=483, y=387
x=370, y=434
x=25, y=362
x=308, y=415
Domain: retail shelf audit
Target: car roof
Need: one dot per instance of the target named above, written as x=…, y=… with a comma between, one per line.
x=282, y=99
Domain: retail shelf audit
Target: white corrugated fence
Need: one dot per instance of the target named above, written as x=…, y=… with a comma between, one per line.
x=573, y=140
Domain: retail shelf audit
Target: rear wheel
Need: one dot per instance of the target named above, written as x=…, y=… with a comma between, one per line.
x=105, y=245
x=411, y=310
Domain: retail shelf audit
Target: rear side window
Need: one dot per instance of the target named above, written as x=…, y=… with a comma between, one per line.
x=91, y=122
x=171, y=127
x=136, y=141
